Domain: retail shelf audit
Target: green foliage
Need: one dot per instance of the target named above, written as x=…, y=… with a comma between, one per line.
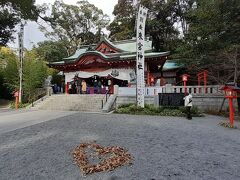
x=11, y=13
x=20, y=105
x=123, y=25
x=152, y=110
x=24, y=8
x=206, y=38
x=7, y=23
x=212, y=35
x=10, y=71
x=159, y=25
x=34, y=74
x=76, y=25
x=5, y=94
x=51, y=51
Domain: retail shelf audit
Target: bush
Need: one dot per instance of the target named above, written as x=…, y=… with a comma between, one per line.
x=152, y=110
x=20, y=105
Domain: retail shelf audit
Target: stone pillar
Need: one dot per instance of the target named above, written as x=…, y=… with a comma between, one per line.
x=116, y=89
x=49, y=91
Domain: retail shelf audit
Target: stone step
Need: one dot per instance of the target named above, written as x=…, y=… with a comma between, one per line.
x=91, y=103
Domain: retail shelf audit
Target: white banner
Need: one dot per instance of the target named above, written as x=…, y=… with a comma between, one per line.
x=141, y=19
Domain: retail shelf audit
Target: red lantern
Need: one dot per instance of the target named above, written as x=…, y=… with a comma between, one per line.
x=152, y=80
x=16, y=94
x=230, y=92
x=184, y=77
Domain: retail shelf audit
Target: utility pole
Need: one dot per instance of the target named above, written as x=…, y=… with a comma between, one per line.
x=21, y=48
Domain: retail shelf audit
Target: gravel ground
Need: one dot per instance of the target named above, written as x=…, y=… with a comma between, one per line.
x=162, y=147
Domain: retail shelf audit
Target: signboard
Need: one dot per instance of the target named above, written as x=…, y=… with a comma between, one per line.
x=141, y=19
x=171, y=99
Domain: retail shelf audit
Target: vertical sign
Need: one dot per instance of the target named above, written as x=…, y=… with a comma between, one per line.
x=20, y=40
x=141, y=19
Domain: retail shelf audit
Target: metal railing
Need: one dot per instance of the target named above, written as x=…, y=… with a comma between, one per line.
x=39, y=94
x=107, y=95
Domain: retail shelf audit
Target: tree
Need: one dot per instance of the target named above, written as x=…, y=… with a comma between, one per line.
x=9, y=69
x=7, y=23
x=213, y=37
x=51, y=51
x=10, y=72
x=4, y=54
x=11, y=13
x=162, y=17
x=123, y=24
x=76, y=25
x=34, y=74
x=182, y=7
x=159, y=25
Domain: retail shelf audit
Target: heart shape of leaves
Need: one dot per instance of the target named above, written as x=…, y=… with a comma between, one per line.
x=118, y=157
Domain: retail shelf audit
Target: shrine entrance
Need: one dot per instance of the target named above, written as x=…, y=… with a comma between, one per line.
x=95, y=85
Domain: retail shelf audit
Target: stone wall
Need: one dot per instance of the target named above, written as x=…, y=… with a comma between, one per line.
x=204, y=103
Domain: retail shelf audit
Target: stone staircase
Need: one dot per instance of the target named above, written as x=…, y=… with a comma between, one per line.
x=72, y=102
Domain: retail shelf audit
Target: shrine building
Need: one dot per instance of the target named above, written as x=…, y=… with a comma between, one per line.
x=111, y=63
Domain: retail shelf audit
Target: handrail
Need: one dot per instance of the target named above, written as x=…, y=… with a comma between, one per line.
x=39, y=94
x=106, y=96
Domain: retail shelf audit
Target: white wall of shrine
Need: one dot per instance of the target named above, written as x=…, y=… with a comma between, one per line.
x=122, y=74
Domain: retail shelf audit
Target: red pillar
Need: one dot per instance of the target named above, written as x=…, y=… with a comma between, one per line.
x=16, y=102
x=230, y=102
x=199, y=79
x=66, y=88
x=148, y=79
x=205, y=80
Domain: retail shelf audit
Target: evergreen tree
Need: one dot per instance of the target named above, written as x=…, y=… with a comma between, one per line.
x=11, y=13
x=213, y=37
x=75, y=25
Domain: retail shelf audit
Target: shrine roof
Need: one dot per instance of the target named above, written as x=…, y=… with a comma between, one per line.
x=124, y=46
x=147, y=55
x=171, y=65
x=126, y=51
x=130, y=45
x=77, y=53
x=118, y=57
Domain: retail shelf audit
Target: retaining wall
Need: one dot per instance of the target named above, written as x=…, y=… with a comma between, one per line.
x=204, y=103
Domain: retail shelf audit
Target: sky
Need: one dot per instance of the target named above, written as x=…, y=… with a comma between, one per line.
x=32, y=35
